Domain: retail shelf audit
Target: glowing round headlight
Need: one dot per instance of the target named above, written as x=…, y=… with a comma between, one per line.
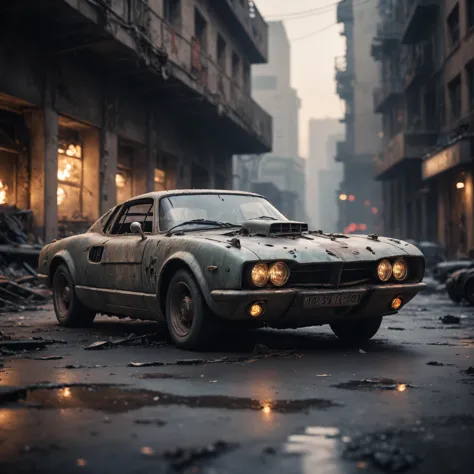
x=384, y=270
x=400, y=269
x=259, y=274
x=279, y=274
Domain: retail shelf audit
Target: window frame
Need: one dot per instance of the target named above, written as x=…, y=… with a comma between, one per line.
x=127, y=205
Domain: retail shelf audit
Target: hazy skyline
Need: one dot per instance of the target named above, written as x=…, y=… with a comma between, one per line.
x=312, y=56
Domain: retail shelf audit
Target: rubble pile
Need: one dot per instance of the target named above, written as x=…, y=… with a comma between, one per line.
x=19, y=252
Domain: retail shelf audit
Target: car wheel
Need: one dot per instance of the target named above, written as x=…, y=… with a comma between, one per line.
x=358, y=331
x=69, y=310
x=469, y=291
x=451, y=289
x=191, y=324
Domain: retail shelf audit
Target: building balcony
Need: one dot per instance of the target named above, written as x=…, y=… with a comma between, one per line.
x=342, y=152
x=384, y=94
x=133, y=42
x=344, y=12
x=344, y=78
x=404, y=148
x=419, y=66
x=421, y=16
x=247, y=25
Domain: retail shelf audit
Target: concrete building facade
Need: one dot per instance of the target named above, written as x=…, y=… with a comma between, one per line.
x=356, y=76
x=100, y=101
x=323, y=201
x=427, y=162
x=271, y=88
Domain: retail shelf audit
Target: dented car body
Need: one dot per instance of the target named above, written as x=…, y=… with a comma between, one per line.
x=206, y=260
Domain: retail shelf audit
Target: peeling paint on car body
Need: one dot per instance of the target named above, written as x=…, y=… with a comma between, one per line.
x=130, y=277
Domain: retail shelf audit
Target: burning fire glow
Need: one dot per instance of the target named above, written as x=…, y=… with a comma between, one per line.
x=3, y=193
x=61, y=195
x=72, y=150
x=119, y=180
x=401, y=387
x=65, y=173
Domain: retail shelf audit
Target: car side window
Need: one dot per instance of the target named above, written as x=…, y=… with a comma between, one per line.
x=141, y=212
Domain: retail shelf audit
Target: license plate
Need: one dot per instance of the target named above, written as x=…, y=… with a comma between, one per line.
x=325, y=301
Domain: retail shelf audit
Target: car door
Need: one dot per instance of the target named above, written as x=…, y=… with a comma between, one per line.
x=122, y=258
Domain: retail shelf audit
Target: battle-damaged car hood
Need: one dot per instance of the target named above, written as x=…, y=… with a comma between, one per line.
x=312, y=247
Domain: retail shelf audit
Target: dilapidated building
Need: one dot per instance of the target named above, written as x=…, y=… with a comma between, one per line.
x=426, y=98
x=101, y=100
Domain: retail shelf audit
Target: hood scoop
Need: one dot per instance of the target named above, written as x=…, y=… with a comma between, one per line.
x=267, y=228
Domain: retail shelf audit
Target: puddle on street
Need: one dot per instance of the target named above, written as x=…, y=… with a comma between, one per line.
x=119, y=400
x=374, y=384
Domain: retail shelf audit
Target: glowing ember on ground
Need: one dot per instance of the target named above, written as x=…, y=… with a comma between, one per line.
x=401, y=387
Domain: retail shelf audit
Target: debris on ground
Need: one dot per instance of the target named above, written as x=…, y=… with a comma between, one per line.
x=47, y=358
x=374, y=384
x=182, y=458
x=222, y=360
x=20, y=288
x=394, y=328
x=450, y=319
x=383, y=450
x=22, y=345
x=469, y=371
x=132, y=338
x=150, y=422
x=435, y=363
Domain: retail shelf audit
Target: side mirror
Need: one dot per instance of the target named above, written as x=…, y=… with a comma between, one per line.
x=136, y=228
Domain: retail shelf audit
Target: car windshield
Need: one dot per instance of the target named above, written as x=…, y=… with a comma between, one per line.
x=231, y=208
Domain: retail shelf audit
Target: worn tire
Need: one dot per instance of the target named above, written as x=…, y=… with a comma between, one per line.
x=204, y=325
x=74, y=313
x=451, y=290
x=357, y=331
x=469, y=291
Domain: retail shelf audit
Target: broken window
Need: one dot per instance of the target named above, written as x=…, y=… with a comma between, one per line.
x=172, y=12
x=455, y=97
x=470, y=14
x=70, y=180
x=470, y=85
x=453, y=27
x=141, y=212
x=200, y=29
x=221, y=53
x=236, y=67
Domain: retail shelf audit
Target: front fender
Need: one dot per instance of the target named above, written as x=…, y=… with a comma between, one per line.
x=191, y=262
x=62, y=255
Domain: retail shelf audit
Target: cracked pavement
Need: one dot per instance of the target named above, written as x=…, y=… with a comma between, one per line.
x=270, y=401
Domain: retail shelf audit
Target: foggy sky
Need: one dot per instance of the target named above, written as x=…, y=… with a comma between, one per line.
x=312, y=70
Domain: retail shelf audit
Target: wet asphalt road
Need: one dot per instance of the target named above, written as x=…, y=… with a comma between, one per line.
x=303, y=403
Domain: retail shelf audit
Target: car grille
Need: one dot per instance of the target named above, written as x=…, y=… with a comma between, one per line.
x=356, y=272
x=331, y=275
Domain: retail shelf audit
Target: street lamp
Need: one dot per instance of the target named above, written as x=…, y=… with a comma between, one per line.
x=459, y=185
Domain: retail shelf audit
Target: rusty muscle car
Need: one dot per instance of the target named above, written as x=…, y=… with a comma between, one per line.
x=206, y=260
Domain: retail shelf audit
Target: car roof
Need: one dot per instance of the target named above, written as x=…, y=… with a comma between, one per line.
x=178, y=192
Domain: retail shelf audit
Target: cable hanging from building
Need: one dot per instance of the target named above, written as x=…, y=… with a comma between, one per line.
x=314, y=33
x=312, y=12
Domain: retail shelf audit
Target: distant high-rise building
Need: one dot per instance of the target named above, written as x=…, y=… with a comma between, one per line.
x=322, y=135
x=271, y=88
x=356, y=76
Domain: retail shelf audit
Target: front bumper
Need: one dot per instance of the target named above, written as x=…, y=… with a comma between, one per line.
x=285, y=307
